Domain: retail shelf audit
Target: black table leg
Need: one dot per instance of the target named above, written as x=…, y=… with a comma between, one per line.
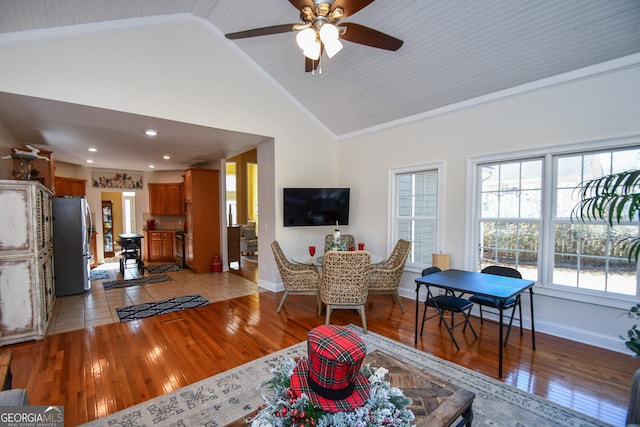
x=415, y=342
x=500, y=344
x=533, y=329
x=467, y=417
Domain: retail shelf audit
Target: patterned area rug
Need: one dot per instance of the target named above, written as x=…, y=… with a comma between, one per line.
x=161, y=268
x=231, y=395
x=134, y=282
x=99, y=275
x=140, y=311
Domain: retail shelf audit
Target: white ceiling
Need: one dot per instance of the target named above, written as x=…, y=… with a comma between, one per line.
x=454, y=51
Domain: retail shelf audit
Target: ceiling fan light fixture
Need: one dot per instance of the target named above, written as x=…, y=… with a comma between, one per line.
x=329, y=35
x=313, y=52
x=306, y=38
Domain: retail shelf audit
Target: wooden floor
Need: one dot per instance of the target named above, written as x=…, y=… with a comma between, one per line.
x=99, y=370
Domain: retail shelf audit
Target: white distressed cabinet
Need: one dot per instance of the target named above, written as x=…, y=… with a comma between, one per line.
x=27, y=292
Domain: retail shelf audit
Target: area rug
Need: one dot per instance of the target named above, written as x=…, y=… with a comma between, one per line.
x=161, y=268
x=231, y=395
x=141, y=311
x=134, y=282
x=99, y=275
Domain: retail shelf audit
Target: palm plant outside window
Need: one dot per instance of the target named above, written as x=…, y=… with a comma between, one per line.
x=588, y=254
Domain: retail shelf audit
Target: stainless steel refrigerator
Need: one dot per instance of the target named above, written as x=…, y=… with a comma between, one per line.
x=71, y=238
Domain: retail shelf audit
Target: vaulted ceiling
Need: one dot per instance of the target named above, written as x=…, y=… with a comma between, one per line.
x=454, y=51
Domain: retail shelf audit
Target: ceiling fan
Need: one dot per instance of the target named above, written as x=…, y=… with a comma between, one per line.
x=320, y=30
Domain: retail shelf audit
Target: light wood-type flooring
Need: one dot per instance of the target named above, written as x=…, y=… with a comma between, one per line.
x=98, y=365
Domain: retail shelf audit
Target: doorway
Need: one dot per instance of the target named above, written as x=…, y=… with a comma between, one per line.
x=123, y=219
x=242, y=208
x=252, y=193
x=129, y=211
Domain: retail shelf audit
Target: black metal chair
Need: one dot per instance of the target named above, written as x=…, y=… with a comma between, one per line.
x=131, y=250
x=512, y=303
x=450, y=303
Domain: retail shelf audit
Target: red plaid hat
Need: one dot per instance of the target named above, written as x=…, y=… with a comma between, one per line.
x=331, y=376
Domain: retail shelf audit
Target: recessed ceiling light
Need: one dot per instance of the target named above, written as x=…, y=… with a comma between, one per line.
x=93, y=149
x=152, y=166
x=166, y=157
x=89, y=161
x=151, y=132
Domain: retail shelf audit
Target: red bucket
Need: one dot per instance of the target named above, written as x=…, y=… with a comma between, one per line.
x=216, y=264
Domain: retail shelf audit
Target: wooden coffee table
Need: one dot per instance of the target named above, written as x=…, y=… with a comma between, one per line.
x=436, y=402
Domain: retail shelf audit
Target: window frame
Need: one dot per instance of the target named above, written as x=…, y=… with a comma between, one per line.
x=439, y=168
x=546, y=255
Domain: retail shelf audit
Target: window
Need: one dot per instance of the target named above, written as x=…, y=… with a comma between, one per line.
x=416, y=212
x=129, y=204
x=511, y=215
x=522, y=219
x=588, y=255
x=231, y=193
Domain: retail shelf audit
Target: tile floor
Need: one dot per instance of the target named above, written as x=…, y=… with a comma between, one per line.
x=98, y=306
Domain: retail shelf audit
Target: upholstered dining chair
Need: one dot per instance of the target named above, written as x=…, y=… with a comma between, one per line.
x=298, y=279
x=512, y=303
x=384, y=278
x=248, y=238
x=344, y=282
x=348, y=238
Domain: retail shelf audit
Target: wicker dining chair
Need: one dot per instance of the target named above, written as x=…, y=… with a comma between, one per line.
x=384, y=278
x=348, y=238
x=300, y=279
x=344, y=282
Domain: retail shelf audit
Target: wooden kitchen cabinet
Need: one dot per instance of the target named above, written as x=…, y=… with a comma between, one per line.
x=27, y=284
x=187, y=186
x=165, y=199
x=202, y=207
x=188, y=249
x=160, y=245
x=70, y=186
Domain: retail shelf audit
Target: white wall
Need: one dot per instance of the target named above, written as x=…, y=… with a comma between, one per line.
x=595, y=108
x=7, y=142
x=174, y=81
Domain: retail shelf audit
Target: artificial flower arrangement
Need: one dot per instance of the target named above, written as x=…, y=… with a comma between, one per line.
x=386, y=406
x=338, y=243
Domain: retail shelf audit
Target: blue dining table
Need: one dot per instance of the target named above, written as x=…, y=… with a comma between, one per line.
x=499, y=288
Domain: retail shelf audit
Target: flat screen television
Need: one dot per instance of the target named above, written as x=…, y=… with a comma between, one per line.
x=316, y=206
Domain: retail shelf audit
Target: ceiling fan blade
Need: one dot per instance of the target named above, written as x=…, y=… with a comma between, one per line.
x=264, y=31
x=299, y=4
x=349, y=6
x=360, y=34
